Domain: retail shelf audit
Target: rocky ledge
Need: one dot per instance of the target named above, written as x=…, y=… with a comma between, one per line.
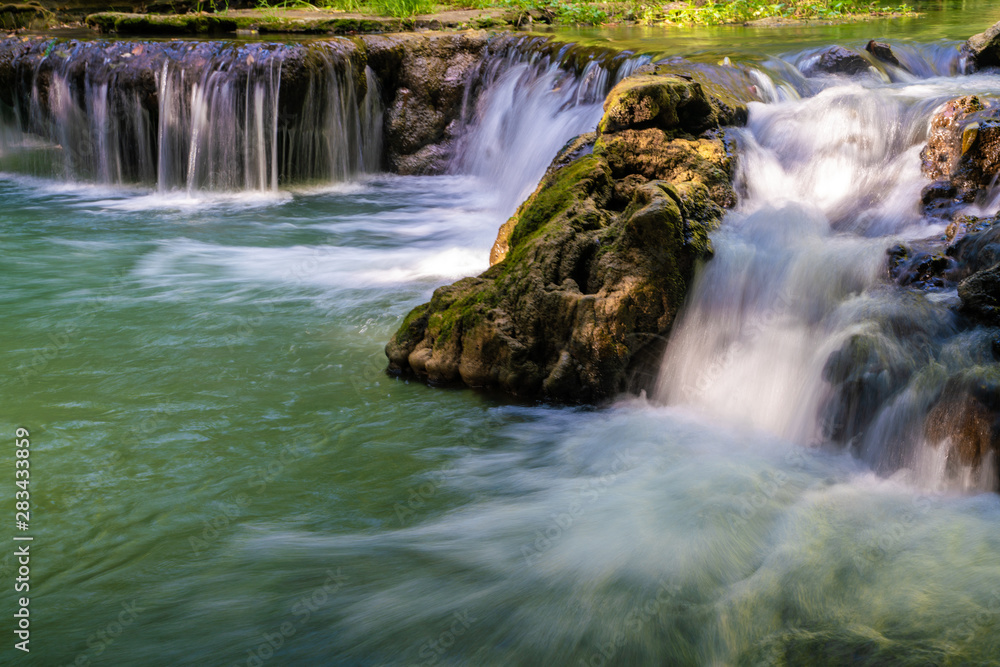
x=588, y=276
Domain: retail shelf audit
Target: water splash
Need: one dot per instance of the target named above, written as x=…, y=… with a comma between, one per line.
x=533, y=102
x=794, y=327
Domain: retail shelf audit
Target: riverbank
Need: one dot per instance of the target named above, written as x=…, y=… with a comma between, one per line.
x=379, y=16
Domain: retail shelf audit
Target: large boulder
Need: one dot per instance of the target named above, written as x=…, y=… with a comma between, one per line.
x=591, y=271
x=982, y=50
x=962, y=154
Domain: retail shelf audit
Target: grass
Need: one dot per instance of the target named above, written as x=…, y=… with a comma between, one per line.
x=710, y=12
x=740, y=11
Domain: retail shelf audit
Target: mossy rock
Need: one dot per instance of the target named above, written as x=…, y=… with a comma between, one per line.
x=160, y=24
x=274, y=22
x=651, y=100
x=28, y=15
x=590, y=273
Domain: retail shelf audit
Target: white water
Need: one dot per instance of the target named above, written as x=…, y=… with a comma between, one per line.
x=528, y=111
x=191, y=116
x=639, y=534
x=828, y=183
x=203, y=116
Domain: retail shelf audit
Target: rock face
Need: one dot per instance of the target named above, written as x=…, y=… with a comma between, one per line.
x=425, y=79
x=589, y=274
x=983, y=50
x=836, y=60
x=962, y=153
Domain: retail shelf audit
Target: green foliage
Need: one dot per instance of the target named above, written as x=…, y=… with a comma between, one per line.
x=403, y=8
x=588, y=14
x=737, y=11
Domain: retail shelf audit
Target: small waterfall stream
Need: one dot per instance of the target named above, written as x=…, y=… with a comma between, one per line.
x=192, y=115
x=778, y=325
x=220, y=116
x=532, y=104
x=216, y=444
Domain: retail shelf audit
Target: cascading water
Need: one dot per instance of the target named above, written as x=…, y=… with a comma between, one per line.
x=531, y=105
x=779, y=322
x=232, y=117
x=191, y=115
x=219, y=449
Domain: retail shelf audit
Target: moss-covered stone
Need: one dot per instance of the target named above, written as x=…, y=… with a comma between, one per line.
x=589, y=274
x=14, y=16
x=652, y=100
x=161, y=24
x=263, y=22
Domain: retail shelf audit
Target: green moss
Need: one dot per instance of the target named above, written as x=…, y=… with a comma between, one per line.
x=463, y=313
x=16, y=16
x=557, y=191
x=161, y=24
x=264, y=22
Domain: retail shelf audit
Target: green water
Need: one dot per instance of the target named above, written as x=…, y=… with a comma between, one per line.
x=167, y=360
x=938, y=20
x=222, y=473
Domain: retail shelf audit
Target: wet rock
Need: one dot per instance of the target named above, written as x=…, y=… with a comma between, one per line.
x=836, y=60
x=966, y=416
x=425, y=79
x=589, y=274
x=896, y=257
x=883, y=52
x=962, y=153
x=980, y=295
x=983, y=50
x=976, y=246
x=666, y=103
x=923, y=270
x=862, y=377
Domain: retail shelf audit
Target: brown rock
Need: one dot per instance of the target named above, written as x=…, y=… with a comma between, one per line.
x=589, y=274
x=883, y=52
x=969, y=425
x=980, y=294
x=962, y=153
x=983, y=50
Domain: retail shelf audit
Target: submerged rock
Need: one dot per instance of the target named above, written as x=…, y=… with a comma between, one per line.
x=836, y=60
x=962, y=153
x=589, y=274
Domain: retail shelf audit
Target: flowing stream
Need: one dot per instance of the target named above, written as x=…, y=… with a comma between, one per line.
x=222, y=473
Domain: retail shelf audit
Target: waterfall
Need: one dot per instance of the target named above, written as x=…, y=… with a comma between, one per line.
x=191, y=115
x=232, y=116
x=794, y=327
x=533, y=101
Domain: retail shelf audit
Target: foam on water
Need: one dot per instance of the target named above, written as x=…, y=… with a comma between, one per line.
x=829, y=181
